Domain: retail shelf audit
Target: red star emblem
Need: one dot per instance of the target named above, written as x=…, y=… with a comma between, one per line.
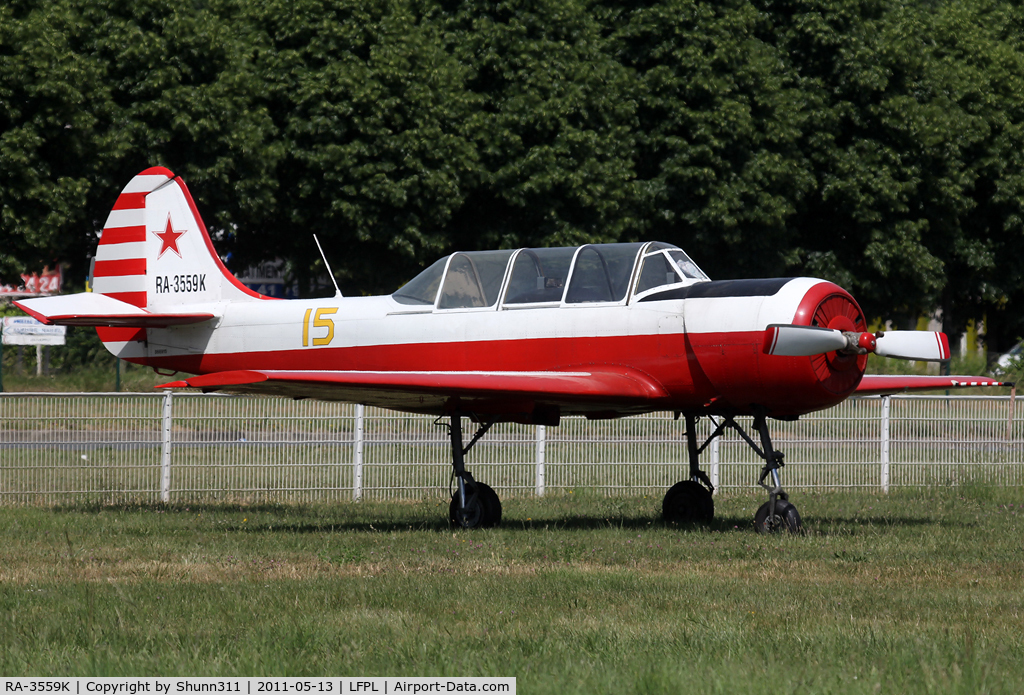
x=169, y=239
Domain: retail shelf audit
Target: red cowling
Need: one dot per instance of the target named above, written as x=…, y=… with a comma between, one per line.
x=830, y=306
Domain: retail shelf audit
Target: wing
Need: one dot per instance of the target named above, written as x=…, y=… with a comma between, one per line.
x=497, y=393
x=884, y=384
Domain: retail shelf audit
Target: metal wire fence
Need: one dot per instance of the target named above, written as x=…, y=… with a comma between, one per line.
x=109, y=448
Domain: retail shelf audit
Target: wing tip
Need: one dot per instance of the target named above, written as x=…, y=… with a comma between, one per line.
x=887, y=385
x=183, y=384
x=218, y=380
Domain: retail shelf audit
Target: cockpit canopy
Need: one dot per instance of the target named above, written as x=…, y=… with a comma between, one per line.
x=571, y=275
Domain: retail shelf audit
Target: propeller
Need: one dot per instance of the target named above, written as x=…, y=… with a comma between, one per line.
x=804, y=341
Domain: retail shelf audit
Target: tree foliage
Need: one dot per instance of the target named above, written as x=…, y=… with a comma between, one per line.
x=875, y=143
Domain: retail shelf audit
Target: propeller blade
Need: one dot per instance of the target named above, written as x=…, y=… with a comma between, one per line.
x=913, y=345
x=802, y=341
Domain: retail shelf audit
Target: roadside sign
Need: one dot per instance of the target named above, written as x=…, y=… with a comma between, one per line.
x=22, y=330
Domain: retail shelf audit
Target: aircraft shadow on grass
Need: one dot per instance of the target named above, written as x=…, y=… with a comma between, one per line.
x=832, y=525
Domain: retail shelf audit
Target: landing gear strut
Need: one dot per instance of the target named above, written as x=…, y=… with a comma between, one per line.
x=473, y=505
x=777, y=514
x=690, y=500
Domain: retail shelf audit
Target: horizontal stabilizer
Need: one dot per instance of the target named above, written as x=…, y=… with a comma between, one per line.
x=885, y=384
x=94, y=309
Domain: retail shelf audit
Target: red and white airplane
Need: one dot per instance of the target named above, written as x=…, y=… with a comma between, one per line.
x=527, y=335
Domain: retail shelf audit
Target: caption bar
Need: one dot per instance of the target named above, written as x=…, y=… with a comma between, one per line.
x=255, y=686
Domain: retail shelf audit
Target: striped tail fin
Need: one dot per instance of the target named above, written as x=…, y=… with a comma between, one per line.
x=155, y=267
x=155, y=252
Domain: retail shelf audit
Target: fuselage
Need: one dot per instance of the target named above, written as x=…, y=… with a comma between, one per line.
x=702, y=342
x=642, y=312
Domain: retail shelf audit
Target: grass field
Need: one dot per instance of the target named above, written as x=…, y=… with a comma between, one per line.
x=917, y=591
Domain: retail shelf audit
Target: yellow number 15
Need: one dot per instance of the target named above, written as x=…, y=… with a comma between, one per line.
x=319, y=321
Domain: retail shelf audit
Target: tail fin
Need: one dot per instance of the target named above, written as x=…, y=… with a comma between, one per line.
x=155, y=267
x=155, y=252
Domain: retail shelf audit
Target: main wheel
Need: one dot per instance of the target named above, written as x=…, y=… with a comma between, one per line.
x=483, y=508
x=491, y=502
x=688, y=502
x=786, y=518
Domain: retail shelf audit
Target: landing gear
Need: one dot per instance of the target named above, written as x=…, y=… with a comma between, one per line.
x=482, y=509
x=473, y=505
x=690, y=501
x=777, y=514
x=784, y=518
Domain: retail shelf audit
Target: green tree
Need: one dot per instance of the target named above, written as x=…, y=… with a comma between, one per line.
x=555, y=128
x=53, y=102
x=870, y=142
x=372, y=112
x=721, y=125
x=93, y=92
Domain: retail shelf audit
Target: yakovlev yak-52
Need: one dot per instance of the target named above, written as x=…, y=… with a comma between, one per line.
x=527, y=336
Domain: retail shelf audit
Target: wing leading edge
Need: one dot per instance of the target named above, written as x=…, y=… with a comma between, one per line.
x=430, y=392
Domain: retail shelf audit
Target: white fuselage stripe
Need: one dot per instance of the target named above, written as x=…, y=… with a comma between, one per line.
x=145, y=183
x=378, y=321
x=119, y=283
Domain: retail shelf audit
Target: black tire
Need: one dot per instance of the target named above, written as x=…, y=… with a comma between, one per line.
x=688, y=502
x=786, y=518
x=492, y=504
x=483, y=508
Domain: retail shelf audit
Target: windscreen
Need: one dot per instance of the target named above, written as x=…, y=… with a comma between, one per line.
x=656, y=272
x=422, y=289
x=688, y=267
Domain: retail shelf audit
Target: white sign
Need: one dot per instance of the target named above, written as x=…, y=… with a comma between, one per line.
x=22, y=330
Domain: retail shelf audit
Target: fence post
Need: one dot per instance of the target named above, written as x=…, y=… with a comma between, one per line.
x=540, y=455
x=714, y=461
x=357, y=453
x=885, y=444
x=165, y=452
x=1009, y=418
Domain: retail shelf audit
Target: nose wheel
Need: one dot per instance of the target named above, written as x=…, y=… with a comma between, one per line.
x=777, y=514
x=784, y=518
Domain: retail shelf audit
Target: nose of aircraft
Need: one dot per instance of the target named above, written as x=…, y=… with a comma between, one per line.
x=827, y=305
x=741, y=373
